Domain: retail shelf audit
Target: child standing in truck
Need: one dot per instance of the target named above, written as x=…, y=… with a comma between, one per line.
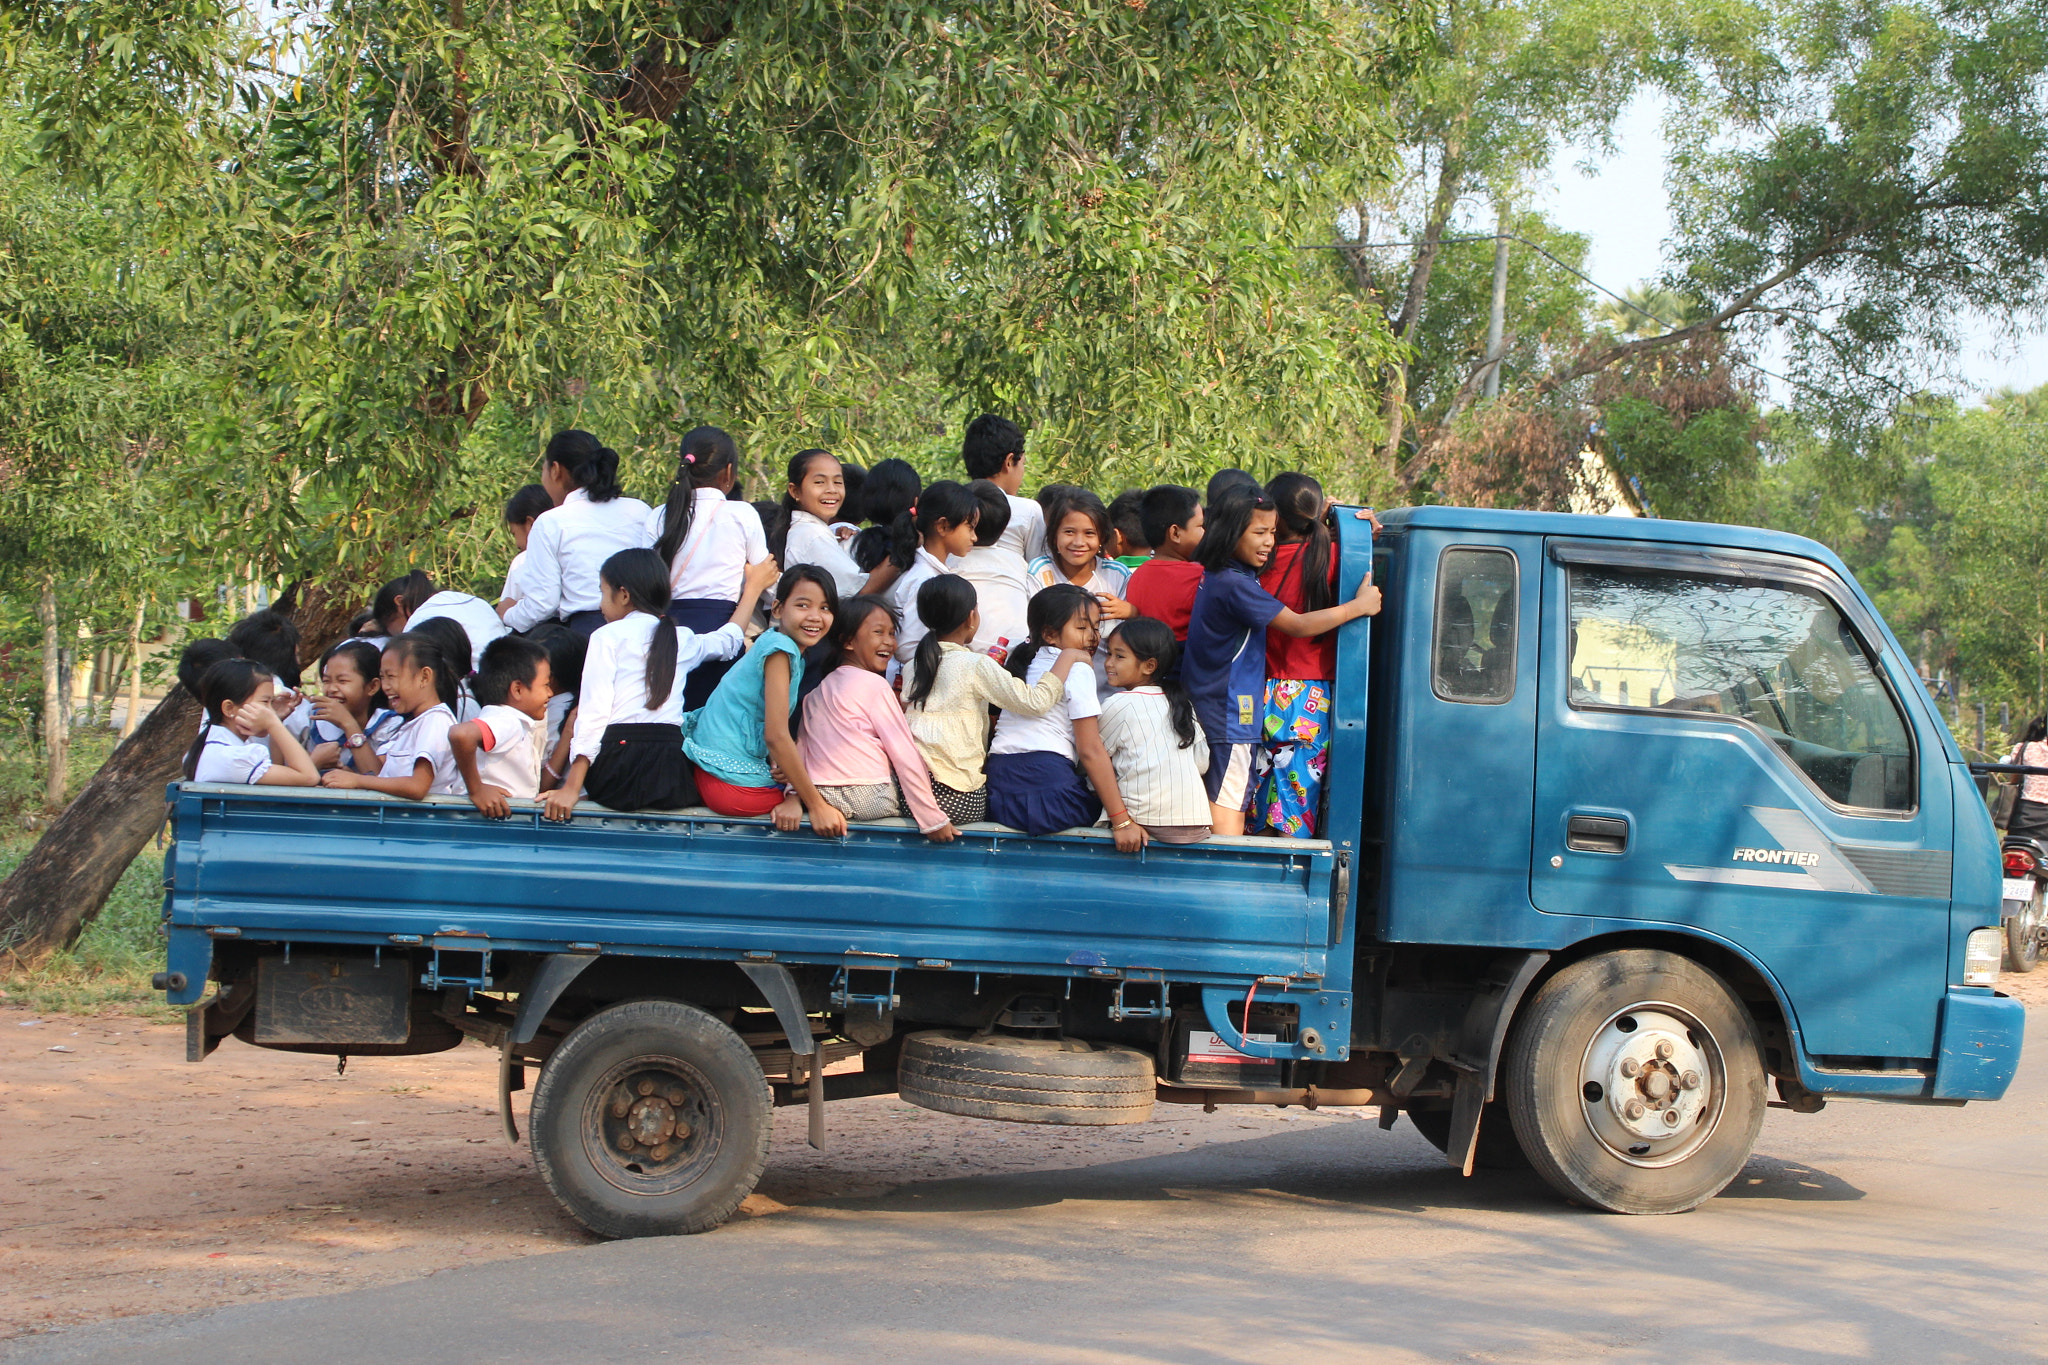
x=1036, y=763
x=1163, y=587
x=1225, y=666
x=1294, y=736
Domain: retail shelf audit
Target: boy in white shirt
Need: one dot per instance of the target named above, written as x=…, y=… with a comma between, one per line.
x=1002, y=589
x=499, y=753
x=994, y=450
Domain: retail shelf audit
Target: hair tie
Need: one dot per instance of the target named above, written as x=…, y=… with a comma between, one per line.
x=689, y=459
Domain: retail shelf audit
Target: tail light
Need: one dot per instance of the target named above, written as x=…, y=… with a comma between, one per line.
x=2019, y=863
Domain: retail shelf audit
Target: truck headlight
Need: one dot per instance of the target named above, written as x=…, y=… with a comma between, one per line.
x=1981, y=954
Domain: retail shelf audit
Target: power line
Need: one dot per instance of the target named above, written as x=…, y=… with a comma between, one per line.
x=1568, y=269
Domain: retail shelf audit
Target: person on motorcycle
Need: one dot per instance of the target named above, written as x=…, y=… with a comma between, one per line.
x=2030, y=812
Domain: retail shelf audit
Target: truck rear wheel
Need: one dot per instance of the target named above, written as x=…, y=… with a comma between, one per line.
x=1635, y=1082
x=1026, y=1080
x=651, y=1118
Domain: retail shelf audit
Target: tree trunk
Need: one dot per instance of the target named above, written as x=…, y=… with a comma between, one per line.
x=135, y=668
x=1450, y=183
x=71, y=871
x=56, y=729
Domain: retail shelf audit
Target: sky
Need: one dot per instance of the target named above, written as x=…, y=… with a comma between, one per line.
x=1623, y=211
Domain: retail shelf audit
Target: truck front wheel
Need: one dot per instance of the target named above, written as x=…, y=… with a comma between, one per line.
x=651, y=1118
x=1635, y=1082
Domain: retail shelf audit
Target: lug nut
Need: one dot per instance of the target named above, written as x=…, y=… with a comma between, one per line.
x=1670, y=1118
x=1689, y=1081
x=620, y=1104
x=1630, y=1066
x=675, y=1097
x=659, y=1153
x=1633, y=1109
x=1663, y=1049
x=645, y=1087
x=625, y=1142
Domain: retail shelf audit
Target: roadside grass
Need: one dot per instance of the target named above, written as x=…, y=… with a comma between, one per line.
x=107, y=971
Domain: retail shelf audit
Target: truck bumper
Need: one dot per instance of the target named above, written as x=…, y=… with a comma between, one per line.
x=1981, y=1032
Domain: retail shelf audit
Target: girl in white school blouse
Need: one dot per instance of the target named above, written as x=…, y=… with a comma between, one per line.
x=570, y=542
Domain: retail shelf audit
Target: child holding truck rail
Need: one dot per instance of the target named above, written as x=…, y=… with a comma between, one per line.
x=499, y=753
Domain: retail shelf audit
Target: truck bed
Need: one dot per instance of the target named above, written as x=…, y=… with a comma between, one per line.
x=296, y=864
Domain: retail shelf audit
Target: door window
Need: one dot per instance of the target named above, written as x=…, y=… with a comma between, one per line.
x=1473, y=656
x=1777, y=657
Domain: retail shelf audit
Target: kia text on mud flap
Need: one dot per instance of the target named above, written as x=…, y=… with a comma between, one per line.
x=1628, y=823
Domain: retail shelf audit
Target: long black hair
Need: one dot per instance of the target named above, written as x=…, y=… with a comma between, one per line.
x=421, y=650
x=852, y=614
x=1048, y=614
x=1152, y=640
x=706, y=453
x=946, y=500
x=944, y=602
x=412, y=591
x=529, y=502
x=643, y=576
x=224, y=681
x=778, y=527
x=808, y=573
x=1298, y=499
x=2033, y=731
x=590, y=464
x=1067, y=500
x=367, y=658
x=448, y=633
x=889, y=491
x=1224, y=524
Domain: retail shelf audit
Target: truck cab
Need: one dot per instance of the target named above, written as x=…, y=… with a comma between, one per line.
x=1626, y=822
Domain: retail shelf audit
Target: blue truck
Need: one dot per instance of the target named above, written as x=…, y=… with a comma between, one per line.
x=1628, y=823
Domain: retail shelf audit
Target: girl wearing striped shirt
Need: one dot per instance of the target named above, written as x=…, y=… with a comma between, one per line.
x=1153, y=739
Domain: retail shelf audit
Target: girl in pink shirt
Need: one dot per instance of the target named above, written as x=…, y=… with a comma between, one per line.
x=855, y=744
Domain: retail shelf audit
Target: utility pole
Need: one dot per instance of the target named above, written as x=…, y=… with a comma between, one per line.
x=1497, y=316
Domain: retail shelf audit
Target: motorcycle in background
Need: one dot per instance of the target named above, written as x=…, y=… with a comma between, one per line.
x=2025, y=912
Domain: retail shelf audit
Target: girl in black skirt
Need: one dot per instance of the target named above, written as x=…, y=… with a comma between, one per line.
x=628, y=748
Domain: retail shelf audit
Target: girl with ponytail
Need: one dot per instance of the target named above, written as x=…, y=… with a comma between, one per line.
x=708, y=539
x=591, y=521
x=802, y=530
x=243, y=740
x=1153, y=739
x=1041, y=769
x=1294, y=746
x=419, y=684
x=627, y=752
x=939, y=529
x=949, y=688
x=855, y=744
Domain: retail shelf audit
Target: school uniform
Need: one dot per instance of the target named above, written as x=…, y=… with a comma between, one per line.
x=1107, y=579
x=1024, y=537
x=1160, y=782
x=1033, y=783
x=1002, y=593
x=509, y=750
x=910, y=627
x=565, y=550
x=382, y=723
x=727, y=738
x=227, y=757
x=425, y=736
x=478, y=619
x=708, y=572
x=515, y=585
x=1224, y=671
x=811, y=541
x=636, y=749
x=950, y=726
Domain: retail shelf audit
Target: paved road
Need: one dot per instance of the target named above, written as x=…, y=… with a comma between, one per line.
x=1866, y=1233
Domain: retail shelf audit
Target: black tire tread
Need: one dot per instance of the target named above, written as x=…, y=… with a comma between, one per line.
x=1004, y=1078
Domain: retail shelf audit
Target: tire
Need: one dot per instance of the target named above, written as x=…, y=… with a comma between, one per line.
x=1499, y=1149
x=1026, y=1080
x=1597, y=1130
x=2023, y=935
x=608, y=1105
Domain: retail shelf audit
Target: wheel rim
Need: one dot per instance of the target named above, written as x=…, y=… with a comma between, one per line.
x=2033, y=915
x=1652, y=1084
x=652, y=1125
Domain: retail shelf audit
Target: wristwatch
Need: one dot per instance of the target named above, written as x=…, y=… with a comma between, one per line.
x=357, y=740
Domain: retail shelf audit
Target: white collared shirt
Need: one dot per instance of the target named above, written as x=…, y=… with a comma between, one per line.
x=227, y=757
x=725, y=537
x=1026, y=532
x=614, y=690
x=425, y=736
x=811, y=541
x=515, y=586
x=910, y=628
x=1002, y=594
x=569, y=544
x=478, y=619
x=509, y=755
x=1160, y=782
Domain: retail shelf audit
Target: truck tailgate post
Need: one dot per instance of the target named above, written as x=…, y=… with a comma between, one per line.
x=534, y=1003
x=775, y=982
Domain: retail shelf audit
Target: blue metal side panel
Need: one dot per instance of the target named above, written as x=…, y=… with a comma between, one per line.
x=1981, y=1033
x=343, y=866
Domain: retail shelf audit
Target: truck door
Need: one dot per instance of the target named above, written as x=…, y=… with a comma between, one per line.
x=1721, y=744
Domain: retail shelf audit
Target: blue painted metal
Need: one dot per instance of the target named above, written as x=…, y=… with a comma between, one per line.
x=1981, y=1033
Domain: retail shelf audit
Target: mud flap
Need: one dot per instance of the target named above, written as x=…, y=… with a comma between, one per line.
x=1485, y=1029
x=535, y=1001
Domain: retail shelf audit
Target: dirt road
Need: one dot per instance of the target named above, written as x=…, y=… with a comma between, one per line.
x=134, y=1183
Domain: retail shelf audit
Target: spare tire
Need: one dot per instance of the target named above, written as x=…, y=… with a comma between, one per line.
x=1026, y=1080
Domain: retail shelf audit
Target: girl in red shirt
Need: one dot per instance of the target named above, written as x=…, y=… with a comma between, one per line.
x=1294, y=751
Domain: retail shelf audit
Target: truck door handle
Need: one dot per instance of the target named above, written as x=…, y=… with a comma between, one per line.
x=1596, y=834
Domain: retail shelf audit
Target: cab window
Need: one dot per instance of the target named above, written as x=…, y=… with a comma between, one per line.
x=1778, y=657
x=1472, y=657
